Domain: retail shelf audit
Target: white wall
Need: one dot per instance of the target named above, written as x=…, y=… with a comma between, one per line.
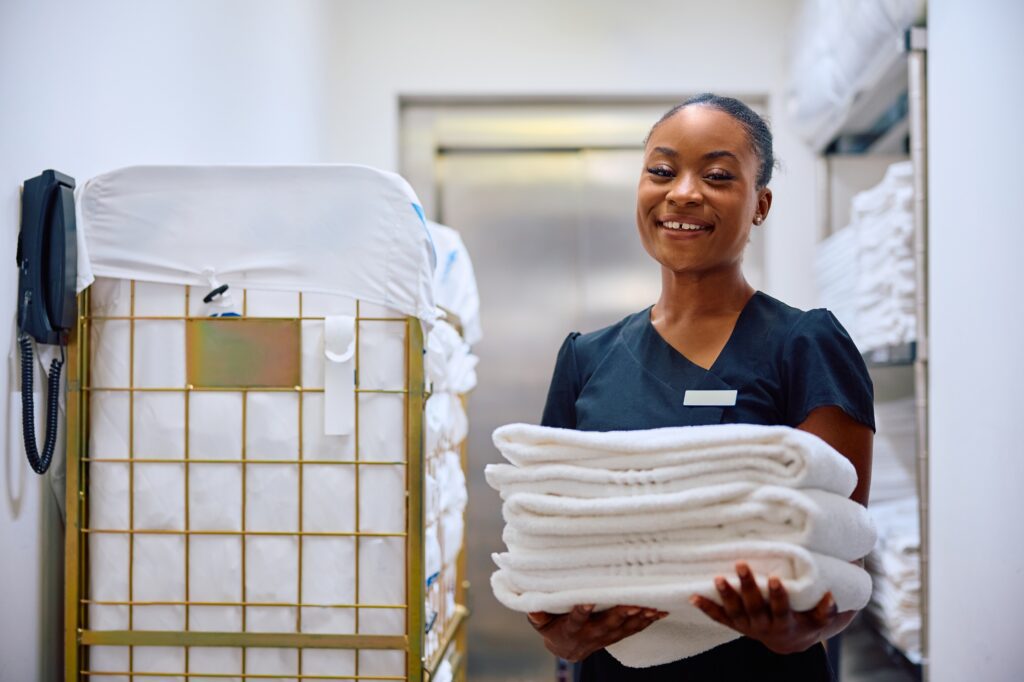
x=976, y=142
x=574, y=47
x=88, y=87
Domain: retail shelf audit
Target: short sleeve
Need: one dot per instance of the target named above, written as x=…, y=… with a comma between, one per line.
x=822, y=367
x=560, y=408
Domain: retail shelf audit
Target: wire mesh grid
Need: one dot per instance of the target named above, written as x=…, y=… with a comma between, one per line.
x=444, y=607
x=272, y=636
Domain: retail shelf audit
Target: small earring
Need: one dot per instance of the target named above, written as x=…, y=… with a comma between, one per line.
x=757, y=220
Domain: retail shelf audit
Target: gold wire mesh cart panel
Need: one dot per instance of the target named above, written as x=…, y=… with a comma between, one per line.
x=286, y=634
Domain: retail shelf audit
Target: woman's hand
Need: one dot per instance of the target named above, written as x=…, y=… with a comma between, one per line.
x=579, y=633
x=771, y=622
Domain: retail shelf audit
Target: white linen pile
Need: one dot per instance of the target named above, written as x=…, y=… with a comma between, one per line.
x=450, y=369
x=835, y=270
x=455, y=289
x=840, y=50
x=649, y=518
x=866, y=271
x=895, y=562
x=895, y=567
x=886, y=284
x=216, y=496
x=894, y=452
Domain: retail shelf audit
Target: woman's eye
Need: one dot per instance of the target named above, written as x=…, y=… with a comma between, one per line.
x=660, y=171
x=718, y=175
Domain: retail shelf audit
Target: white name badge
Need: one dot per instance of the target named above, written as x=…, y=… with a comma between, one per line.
x=709, y=398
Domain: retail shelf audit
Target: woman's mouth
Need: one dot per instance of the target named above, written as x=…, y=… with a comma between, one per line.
x=683, y=227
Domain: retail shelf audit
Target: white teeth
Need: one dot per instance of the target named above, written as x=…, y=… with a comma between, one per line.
x=681, y=226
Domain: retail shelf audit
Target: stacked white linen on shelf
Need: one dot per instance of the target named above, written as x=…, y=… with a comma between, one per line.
x=835, y=270
x=450, y=369
x=894, y=564
x=866, y=272
x=893, y=458
x=649, y=518
x=886, y=283
x=839, y=49
x=895, y=567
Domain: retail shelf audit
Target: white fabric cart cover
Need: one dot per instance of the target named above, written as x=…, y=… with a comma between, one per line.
x=195, y=224
x=336, y=234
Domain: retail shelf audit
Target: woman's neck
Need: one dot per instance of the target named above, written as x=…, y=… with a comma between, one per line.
x=689, y=296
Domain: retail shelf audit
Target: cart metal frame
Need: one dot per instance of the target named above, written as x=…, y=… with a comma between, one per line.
x=78, y=635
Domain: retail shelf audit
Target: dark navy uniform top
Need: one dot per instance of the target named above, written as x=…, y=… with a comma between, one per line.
x=783, y=363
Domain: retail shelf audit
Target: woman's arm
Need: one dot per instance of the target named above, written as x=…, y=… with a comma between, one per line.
x=771, y=621
x=851, y=438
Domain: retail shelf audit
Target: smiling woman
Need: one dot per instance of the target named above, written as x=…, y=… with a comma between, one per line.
x=705, y=176
x=702, y=189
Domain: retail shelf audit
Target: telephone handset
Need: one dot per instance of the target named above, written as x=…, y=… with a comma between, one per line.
x=47, y=305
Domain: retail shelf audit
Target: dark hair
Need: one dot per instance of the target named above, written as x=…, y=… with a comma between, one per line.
x=757, y=128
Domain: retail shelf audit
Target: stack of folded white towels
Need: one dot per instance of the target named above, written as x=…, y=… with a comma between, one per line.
x=649, y=518
x=886, y=286
x=895, y=562
x=895, y=567
x=835, y=271
x=866, y=272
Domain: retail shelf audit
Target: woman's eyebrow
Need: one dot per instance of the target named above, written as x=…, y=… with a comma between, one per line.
x=716, y=154
x=719, y=153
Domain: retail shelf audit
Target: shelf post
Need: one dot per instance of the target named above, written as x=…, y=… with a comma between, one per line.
x=916, y=45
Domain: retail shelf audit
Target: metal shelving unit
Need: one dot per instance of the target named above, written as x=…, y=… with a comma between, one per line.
x=892, y=356
x=889, y=115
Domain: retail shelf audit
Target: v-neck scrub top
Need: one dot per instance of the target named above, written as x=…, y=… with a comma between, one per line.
x=783, y=362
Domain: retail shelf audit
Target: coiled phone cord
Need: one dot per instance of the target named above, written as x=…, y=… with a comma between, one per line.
x=39, y=463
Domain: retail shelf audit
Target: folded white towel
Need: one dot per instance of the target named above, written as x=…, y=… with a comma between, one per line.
x=583, y=481
x=518, y=541
x=658, y=565
x=687, y=631
x=802, y=459
x=817, y=520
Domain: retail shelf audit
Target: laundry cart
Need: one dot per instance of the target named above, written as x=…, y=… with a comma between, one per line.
x=246, y=470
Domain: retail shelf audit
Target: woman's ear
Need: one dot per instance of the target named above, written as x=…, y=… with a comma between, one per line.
x=764, y=204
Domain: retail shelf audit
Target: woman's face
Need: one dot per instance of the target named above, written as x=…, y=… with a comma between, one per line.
x=698, y=196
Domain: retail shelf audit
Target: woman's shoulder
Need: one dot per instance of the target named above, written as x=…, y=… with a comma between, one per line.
x=589, y=348
x=601, y=340
x=818, y=363
x=606, y=336
x=577, y=360
x=788, y=323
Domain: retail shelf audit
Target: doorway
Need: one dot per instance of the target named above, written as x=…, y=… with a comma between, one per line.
x=543, y=195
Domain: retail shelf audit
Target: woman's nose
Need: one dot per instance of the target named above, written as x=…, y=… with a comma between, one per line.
x=685, y=190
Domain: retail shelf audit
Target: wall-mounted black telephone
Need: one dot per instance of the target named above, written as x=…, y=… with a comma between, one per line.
x=47, y=306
